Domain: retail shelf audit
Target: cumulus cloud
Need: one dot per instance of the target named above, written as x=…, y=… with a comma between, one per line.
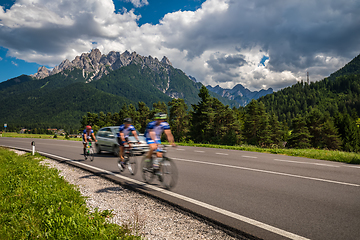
x=14, y=63
x=223, y=42
x=1, y=59
x=138, y=3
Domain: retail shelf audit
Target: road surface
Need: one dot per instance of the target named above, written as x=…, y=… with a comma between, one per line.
x=265, y=195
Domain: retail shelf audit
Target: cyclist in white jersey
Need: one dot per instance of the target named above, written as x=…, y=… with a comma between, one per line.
x=88, y=133
x=123, y=135
x=153, y=134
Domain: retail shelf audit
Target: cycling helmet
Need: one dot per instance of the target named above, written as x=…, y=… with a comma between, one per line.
x=88, y=127
x=127, y=120
x=160, y=116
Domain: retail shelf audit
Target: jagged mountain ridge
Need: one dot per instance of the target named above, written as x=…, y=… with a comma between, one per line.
x=239, y=93
x=95, y=64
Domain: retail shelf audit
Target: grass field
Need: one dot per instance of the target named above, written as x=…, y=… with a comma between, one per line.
x=44, y=136
x=338, y=156
x=36, y=203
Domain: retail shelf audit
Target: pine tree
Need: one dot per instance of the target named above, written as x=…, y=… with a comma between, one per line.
x=229, y=126
x=349, y=132
x=331, y=138
x=202, y=118
x=276, y=131
x=134, y=115
x=251, y=123
x=158, y=107
x=123, y=113
x=264, y=139
x=144, y=113
x=256, y=125
x=315, y=121
x=300, y=136
x=179, y=119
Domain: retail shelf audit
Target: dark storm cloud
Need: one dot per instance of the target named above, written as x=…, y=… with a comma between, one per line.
x=224, y=64
x=293, y=33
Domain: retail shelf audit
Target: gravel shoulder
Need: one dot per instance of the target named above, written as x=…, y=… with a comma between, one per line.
x=147, y=216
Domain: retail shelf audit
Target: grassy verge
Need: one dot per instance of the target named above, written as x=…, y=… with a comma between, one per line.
x=44, y=136
x=36, y=203
x=338, y=156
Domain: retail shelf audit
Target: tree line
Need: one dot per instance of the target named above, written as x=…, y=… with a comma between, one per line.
x=210, y=121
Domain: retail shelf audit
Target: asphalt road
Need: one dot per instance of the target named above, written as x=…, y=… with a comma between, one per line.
x=265, y=195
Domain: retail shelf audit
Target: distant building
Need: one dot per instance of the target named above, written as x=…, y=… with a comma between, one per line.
x=23, y=130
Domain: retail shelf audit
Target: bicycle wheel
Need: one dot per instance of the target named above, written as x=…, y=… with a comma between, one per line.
x=132, y=163
x=169, y=173
x=147, y=170
x=91, y=154
x=120, y=166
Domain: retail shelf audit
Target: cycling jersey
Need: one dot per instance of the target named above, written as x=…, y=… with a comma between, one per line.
x=125, y=131
x=87, y=134
x=157, y=128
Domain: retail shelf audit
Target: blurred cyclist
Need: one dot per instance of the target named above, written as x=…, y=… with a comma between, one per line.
x=88, y=133
x=123, y=136
x=153, y=134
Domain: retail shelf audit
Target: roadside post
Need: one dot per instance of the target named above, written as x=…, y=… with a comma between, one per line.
x=33, y=147
x=5, y=126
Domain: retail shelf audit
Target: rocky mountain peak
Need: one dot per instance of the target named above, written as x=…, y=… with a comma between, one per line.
x=239, y=93
x=95, y=64
x=165, y=60
x=41, y=73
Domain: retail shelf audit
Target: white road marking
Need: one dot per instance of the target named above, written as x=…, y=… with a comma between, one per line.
x=180, y=149
x=225, y=154
x=270, y=172
x=352, y=166
x=199, y=151
x=196, y=202
x=319, y=164
x=248, y=156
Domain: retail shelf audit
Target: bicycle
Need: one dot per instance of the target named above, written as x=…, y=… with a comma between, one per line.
x=167, y=172
x=130, y=159
x=89, y=152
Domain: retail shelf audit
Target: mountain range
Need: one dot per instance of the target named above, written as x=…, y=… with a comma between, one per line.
x=239, y=93
x=93, y=82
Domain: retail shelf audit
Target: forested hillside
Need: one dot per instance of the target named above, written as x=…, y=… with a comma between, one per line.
x=59, y=100
x=332, y=96
x=330, y=106
x=352, y=68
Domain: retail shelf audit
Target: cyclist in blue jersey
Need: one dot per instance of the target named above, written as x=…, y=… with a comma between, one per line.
x=123, y=135
x=153, y=134
x=88, y=133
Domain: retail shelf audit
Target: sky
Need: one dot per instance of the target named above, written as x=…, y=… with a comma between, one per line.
x=259, y=44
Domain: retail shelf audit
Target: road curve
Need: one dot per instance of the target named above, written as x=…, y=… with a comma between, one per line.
x=264, y=195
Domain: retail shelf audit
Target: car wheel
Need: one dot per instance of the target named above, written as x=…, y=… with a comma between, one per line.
x=97, y=148
x=116, y=150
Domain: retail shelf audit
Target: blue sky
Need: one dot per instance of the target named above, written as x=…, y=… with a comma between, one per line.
x=258, y=44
